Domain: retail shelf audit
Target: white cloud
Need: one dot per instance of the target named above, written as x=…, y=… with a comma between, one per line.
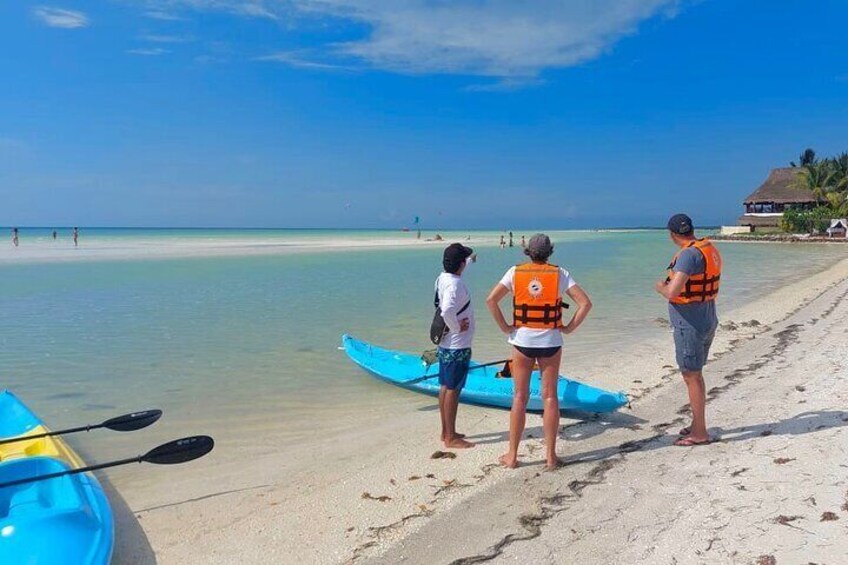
x=148, y=51
x=512, y=40
x=165, y=9
x=167, y=38
x=58, y=17
x=163, y=16
x=498, y=38
x=297, y=60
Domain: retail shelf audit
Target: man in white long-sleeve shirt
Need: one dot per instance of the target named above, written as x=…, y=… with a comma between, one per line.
x=455, y=346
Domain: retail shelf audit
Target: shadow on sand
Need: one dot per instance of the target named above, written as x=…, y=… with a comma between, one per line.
x=804, y=423
x=591, y=425
x=131, y=544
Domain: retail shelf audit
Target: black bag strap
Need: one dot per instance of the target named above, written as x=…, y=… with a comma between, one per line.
x=461, y=310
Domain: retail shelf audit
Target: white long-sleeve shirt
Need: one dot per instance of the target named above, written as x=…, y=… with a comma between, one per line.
x=453, y=295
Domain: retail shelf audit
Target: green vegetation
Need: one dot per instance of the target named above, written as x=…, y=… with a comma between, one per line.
x=807, y=221
x=827, y=179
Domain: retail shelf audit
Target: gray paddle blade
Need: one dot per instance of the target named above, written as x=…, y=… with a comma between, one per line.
x=180, y=450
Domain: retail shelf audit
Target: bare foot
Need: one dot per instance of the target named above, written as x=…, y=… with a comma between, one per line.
x=554, y=465
x=458, y=443
x=457, y=434
x=507, y=461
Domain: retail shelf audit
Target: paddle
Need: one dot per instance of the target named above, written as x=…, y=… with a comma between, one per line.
x=505, y=371
x=126, y=423
x=171, y=453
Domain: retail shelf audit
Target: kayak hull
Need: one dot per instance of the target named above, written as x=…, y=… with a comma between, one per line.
x=56, y=521
x=482, y=387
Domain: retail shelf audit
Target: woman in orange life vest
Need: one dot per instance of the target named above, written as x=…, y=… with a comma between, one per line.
x=536, y=337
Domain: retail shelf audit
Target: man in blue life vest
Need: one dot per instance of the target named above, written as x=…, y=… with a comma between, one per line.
x=691, y=287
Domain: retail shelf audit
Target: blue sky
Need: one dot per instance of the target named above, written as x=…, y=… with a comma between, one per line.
x=364, y=113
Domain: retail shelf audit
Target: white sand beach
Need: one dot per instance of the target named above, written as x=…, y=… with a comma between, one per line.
x=772, y=486
x=100, y=248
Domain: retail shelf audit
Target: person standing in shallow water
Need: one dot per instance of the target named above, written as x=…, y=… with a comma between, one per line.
x=691, y=287
x=15, y=240
x=536, y=337
x=76, y=237
x=454, y=303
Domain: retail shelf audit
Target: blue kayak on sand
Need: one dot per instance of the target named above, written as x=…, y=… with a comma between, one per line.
x=52, y=522
x=482, y=386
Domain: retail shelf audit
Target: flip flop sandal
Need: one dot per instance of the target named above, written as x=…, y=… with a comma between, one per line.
x=689, y=442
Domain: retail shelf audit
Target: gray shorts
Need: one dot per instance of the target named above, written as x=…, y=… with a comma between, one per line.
x=692, y=347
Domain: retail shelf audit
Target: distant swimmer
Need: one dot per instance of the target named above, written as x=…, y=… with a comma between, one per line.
x=453, y=330
x=523, y=243
x=691, y=287
x=15, y=237
x=510, y=239
x=536, y=332
x=54, y=235
x=502, y=242
x=76, y=237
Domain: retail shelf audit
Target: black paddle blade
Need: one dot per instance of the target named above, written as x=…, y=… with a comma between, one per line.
x=179, y=451
x=505, y=373
x=132, y=422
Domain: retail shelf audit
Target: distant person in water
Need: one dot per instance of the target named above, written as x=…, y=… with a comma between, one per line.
x=76, y=237
x=15, y=240
x=502, y=242
x=54, y=235
x=523, y=243
x=510, y=239
x=691, y=287
x=536, y=337
x=454, y=303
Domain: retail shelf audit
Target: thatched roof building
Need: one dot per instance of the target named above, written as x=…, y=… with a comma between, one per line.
x=779, y=192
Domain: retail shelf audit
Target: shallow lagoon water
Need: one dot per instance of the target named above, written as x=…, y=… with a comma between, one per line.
x=238, y=346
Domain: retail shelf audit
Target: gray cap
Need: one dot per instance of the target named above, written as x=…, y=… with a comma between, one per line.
x=540, y=245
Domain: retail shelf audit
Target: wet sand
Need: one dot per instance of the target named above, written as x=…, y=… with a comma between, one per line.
x=777, y=391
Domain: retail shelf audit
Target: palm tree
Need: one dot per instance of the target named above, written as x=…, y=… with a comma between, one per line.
x=807, y=157
x=819, y=178
x=840, y=168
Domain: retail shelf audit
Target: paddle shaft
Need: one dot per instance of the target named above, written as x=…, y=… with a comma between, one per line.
x=125, y=423
x=49, y=476
x=49, y=434
x=177, y=451
x=425, y=377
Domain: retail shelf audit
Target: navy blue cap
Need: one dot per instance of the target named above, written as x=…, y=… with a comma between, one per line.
x=681, y=224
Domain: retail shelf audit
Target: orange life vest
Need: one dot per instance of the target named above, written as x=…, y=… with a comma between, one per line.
x=536, y=302
x=702, y=287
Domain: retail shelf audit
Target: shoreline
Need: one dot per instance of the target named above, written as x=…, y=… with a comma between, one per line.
x=371, y=499
x=769, y=490
x=779, y=238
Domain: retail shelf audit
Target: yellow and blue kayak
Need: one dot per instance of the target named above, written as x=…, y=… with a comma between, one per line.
x=482, y=386
x=64, y=520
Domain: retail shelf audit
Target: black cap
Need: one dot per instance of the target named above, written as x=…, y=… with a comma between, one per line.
x=455, y=255
x=681, y=224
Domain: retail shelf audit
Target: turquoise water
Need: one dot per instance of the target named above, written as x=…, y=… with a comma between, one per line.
x=225, y=344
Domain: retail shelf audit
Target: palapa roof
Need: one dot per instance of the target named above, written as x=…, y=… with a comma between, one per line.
x=780, y=186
